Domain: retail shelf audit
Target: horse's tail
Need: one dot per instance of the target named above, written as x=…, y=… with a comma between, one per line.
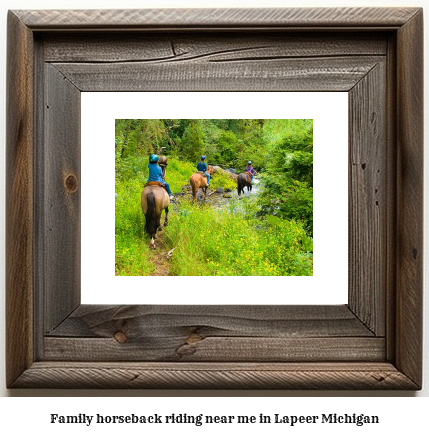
x=151, y=223
x=194, y=188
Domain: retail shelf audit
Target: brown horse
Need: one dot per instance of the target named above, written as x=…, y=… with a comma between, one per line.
x=154, y=200
x=199, y=180
x=244, y=179
x=163, y=162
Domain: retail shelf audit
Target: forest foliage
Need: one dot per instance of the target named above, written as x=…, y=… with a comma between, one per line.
x=228, y=143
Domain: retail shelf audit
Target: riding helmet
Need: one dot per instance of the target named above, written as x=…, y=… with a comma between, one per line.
x=203, y=157
x=249, y=163
x=153, y=158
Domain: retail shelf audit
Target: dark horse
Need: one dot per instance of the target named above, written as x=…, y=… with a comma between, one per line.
x=199, y=180
x=244, y=179
x=154, y=200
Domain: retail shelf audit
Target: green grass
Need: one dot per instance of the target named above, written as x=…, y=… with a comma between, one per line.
x=132, y=256
x=178, y=174
x=218, y=242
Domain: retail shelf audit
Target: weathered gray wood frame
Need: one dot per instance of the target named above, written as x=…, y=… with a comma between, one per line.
x=373, y=342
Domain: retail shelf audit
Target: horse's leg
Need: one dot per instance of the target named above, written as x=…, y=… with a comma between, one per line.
x=166, y=217
x=197, y=187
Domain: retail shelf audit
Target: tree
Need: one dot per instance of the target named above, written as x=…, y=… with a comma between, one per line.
x=139, y=137
x=192, y=143
x=227, y=149
x=288, y=178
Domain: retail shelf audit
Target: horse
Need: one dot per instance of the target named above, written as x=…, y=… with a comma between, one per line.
x=244, y=179
x=163, y=162
x=154, y=200
x=199, y=180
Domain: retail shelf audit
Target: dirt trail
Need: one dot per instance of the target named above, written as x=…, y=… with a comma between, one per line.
x=159, y=257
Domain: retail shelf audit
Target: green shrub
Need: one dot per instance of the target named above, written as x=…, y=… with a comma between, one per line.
x=222, y=180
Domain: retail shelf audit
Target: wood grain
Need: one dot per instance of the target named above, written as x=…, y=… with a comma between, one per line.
x=178, y=47
x=99, y=321
x=341, y=376
x=192, y=348
x=368, y=202
x=61, y=208
x=213, y=333
x=19, y=200
x=391, y=193
x=151, y=19
x=409, y=278
x=296, y=74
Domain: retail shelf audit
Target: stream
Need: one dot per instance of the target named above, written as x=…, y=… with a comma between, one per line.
x=216, y=199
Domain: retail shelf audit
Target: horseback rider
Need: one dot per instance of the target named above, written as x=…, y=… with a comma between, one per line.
x=155, y=174
x=202, y=166
x=249, y=169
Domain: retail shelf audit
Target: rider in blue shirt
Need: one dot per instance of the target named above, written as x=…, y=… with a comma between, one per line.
x=202, y=166
x=155, y=173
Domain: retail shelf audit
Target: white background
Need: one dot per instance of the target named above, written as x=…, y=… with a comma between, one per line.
x=329, y=283
x=16, y=414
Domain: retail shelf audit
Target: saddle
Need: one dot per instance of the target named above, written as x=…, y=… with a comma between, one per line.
x=153, y=183
x=202, y=173
x=249, y=177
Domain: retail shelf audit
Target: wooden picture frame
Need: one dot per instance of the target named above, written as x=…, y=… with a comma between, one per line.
x=373, y=342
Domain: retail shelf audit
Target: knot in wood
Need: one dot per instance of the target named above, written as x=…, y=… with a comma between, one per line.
x=120, y=337
x=193, y=338
x=71, y=183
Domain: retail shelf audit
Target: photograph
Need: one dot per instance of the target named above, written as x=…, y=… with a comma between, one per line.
x=214, y=197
